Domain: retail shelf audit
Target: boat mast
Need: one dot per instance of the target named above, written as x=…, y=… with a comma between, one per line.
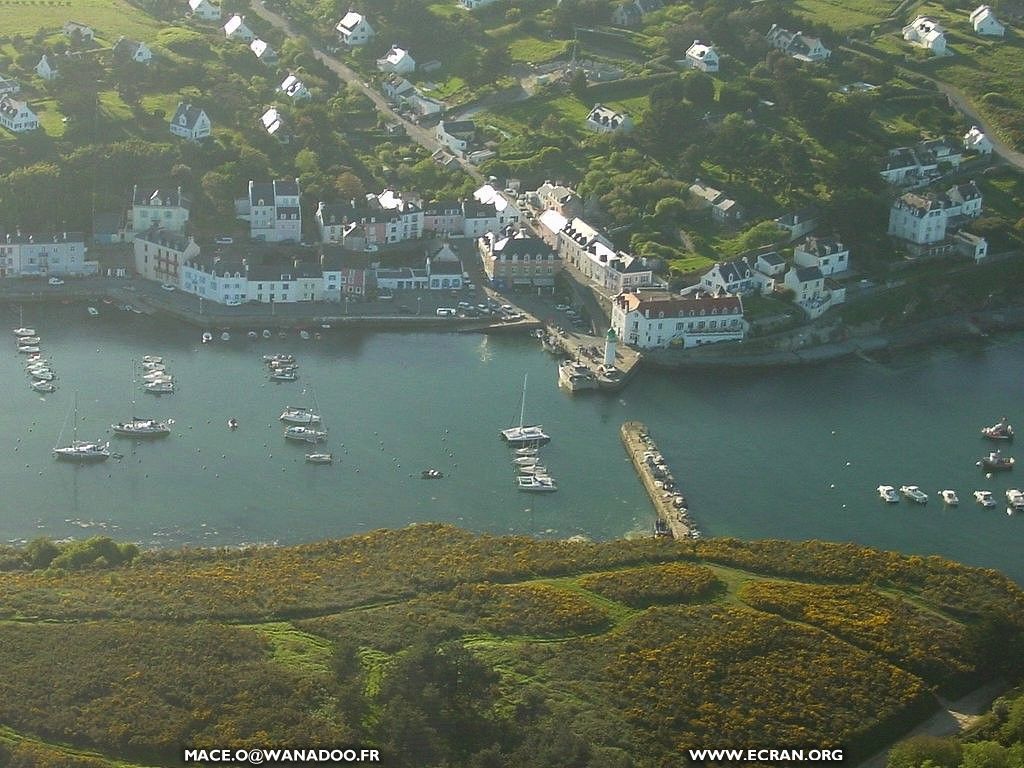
x=522, y=402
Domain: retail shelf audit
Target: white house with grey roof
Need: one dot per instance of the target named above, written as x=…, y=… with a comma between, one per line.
x=826, y=253
x=37, y=254
x=262, y=50
x=274, y=213
x=702, y=56
x=160, y=254
x=602, y=119
x=132, y=50
x=812, y=291
x=45, y=69
x=397, y=60
x=975, y=140
x=354, y=30
x=925, y=32
x=168, y=208
x=798, y=45
x=924, y=222
x=653, y=319
x=740, y=276
x=190, y=122
x=16, y=115
x=519, y=260
x=984, y=21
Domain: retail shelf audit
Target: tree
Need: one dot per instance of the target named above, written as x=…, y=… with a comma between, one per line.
x=985, y=754
x=40, y=553
x=943, y=752
x=699, y=89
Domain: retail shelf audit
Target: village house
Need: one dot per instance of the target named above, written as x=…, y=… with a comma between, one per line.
x=444, y=270
x=282, y=279
x=263, y=52
x=557, y=197
x=457, y=135
x=702, y=57
x=770, y=264
x=16, y=116
x=424, y=105
x=132, y=50
x=631, y=13
x=519, y=260
x=490, y=210
x=204, y=10
x=444, y=217
x=925, y=32
x=975, y=140
x=397, y=60
x=236, y=29
x=394, y=87
x=922, y=163
x=970, y=245
x=472, y=5
x=799, y=223
x=826, y=253
x=346, y=275
x=38, y=254
x=167, y=209
x=400, y=279
x=273, y=124
x=798, y=45
x=84, y=32
x=813, y=293
x=220, y=279
x=604, y=119
x=354, y=30
x=160, y=254
x=273, y=211
x=190, y=123
x=9, y=86
x=653, y=319
x=724, y=210
x=984, y=21
x=377, y=219
x=923, y=222
x=737, y=276
x=45, y=69
x=294, y=88
x=594, y=255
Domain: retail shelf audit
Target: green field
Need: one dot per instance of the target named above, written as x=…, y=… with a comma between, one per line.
x=109, y=18
x=535, y=50
x=843, y=16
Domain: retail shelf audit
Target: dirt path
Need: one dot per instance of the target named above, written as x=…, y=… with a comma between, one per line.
x=953, y=718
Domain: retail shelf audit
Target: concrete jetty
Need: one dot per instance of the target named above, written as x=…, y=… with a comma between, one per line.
x=666, y=496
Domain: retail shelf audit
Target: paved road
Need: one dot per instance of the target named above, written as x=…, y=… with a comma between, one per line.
x=422, y=136
x=959, y=100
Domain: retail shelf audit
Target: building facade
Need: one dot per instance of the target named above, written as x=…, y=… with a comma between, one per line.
x=649, y=320
x=275, y=215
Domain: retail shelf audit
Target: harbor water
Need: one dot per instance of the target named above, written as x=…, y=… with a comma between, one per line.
x=793, y=454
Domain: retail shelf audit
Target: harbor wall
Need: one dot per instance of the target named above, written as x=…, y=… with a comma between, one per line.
x=638, y=442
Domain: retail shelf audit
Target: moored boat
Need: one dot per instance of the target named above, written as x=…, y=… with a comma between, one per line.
x=284, y=375
x=996, y=462
x=159, y=387
x=984, y=498
x=1015, y=499
x=1001, y=430
x=23, y=332
x=319, y=458
x=43, y=386
x=136, y=427
x=225, y=336
x=305, y=434
x=266, y=333
x=207, y=337
x=914, y=493
x=888, y=494
x=42, y=374
x=299, y=415
x=28, y=350
x=28, y=340
x=93, y=312
x=949, y=497
x=81, y=451
x=431, y=474
x=533, y=484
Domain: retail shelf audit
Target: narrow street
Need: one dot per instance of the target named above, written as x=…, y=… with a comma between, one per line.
x=422, y=136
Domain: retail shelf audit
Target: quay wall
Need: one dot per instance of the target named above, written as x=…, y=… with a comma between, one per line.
x=638, y=441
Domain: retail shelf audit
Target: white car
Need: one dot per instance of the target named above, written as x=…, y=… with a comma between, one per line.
x=55, y=281
x=233, y=303
x=167, y=287
x=223, y=240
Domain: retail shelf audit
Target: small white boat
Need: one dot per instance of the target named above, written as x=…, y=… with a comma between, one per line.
x=526, y=461
x=299, y=415
x=24, y=332
x=142, y=428
x=232, y=423
x=24, y=340
x=270, y=359
x=290, y=375
x=319, y=458
x=42, y=374
x=28, y=350
x=207, y=337
x=1001, y=430
x=43, y=386
x=253, y=335
x=305, y=434
x=914, y=493
x=888, y=494
x=1015, y=499
x=151, y=366
x=985, y=499
x=159, y=387
x=304, y=335
x=93, y=312
x=537, y=470
x=152, y=359
x=431, y=474
x=157, y=376
x=949, y=497
x=225, y=336
x=533, y=484
x=266, y=333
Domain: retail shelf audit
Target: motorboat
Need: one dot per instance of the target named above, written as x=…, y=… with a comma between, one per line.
x=526, y=461
x=266, y=333
x=24, y=332
x=278, y=375
x=43, y=386
x=161, y=387
x=137, y=427
x=157, y=376
x=268, y=359
x=28, y=340
x=1001, y=430
x=319, y=458
x=305, y=434
x=152, y=359
x=42, y=374
x=996, y=462
x=949, y=497
x=304, y=335
x=232, y=423
x=225, y=336
x=533, y=484
x=299, y=415
x=431, y=474
x=253, y=335
x=28, y=350
x=888, y=494
x=537, y=470
x=914, y=493
x=1015, y=498
x=207, y=337
x=283, y=365
x=93, y=312
x=985, y=499
x=80, y=451
x=153, y=365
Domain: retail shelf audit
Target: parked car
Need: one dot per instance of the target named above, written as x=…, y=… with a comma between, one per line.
x=223, y=240
x=167, y=287
x=55, y=281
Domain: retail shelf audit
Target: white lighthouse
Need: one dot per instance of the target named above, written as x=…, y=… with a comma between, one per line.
x=609, y=348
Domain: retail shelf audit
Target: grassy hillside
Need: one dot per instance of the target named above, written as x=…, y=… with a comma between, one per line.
x=437, y=645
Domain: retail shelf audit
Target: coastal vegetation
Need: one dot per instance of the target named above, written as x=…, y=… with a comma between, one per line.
x=479, y=650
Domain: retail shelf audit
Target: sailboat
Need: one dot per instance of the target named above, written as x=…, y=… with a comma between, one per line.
x=524, y=435
x=139, y=427
x=21, y=330
x=310, y=430
x=80, y=450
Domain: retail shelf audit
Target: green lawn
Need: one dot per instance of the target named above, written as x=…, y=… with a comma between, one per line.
x=447, y=9
x=535, y=50
x=109, y=18
x=845, y=15
x=50, y=118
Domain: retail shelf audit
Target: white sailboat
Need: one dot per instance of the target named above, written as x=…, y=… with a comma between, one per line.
x=21, y=330
x=525, y=435
x=140, y=427
x=80, y=450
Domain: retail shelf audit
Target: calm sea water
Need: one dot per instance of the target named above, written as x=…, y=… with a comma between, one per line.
x=790, y=454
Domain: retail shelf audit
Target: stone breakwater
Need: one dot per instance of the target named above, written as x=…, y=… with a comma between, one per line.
x=666, y=496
